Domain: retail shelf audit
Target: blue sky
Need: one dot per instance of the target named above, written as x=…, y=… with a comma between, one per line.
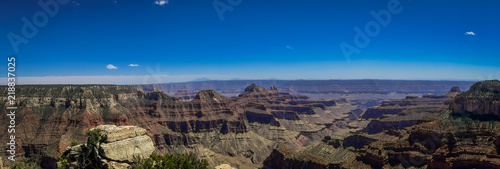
x=182, y=40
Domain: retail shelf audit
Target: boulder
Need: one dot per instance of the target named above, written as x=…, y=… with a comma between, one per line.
x=128, y=150
x=118, y=147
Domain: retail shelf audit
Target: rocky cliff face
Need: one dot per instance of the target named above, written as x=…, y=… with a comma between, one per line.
x=283, y=158
x=243, y=131
x=410, y=133
x=116, y=148
x=483, y=99
x=240, y=131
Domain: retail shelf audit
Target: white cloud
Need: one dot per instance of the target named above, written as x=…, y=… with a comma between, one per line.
x=470, y=33
x=133, y=65
x=161, y=2
x=110, y=66
x=289, y=47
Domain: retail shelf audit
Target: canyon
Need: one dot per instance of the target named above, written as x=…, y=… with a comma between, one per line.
x=433, y=131
x=317, y=124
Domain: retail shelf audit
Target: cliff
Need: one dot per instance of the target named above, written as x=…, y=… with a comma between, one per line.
x=411, y=133
x=244, y=131
x=284, y=158
x=240, y=131
x=482, y=99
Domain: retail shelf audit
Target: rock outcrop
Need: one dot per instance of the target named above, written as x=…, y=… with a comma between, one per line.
x=124, y=143
x=116, y=148
x=481, y=100
x=254, y=88
x=455, y=89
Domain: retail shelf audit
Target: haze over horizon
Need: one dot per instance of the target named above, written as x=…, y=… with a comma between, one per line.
x=160, y=41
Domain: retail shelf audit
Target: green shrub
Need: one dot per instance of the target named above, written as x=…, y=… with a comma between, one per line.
x=73, y=142
x=64, y=162
x=26, y=163
x=93, y=137
x=173, y=161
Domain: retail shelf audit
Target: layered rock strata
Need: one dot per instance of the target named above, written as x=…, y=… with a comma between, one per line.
x=117, y=148
x=239, y=131
x=411, y=133
x=482, y=100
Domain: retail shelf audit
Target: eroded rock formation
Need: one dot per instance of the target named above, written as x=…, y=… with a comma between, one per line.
x=243, y=131
x=482, y=100
x=116, y=148
x=240, y=131
x=284, y=158
x=413, y=133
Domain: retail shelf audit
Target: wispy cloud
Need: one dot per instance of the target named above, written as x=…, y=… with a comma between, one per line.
x=110, y=66
x=133, y=65
x=470, y=33
x=289, y=47
x=161, y=2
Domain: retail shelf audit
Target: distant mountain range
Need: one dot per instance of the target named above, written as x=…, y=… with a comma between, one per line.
x=228, y=87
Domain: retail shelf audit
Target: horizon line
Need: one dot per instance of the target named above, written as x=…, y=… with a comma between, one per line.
x=162, y=79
